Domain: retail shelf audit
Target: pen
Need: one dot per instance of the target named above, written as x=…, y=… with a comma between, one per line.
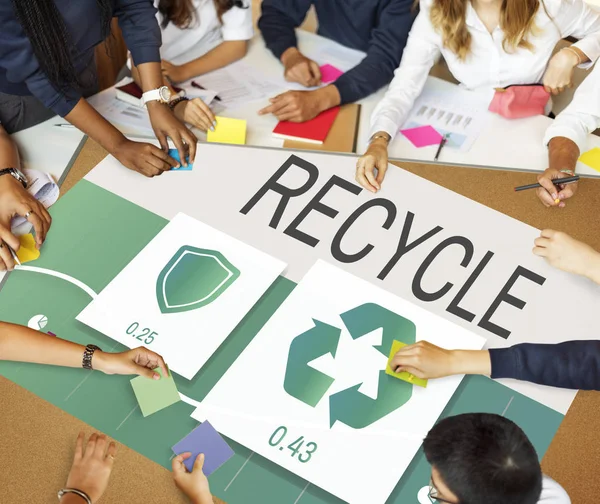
x=198, y=86
x=65, y=125
x=442, y=143
x=14, y=255
x=560, y=181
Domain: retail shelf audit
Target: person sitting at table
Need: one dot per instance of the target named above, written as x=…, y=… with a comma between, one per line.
x=486, y=458
x=93, y=464
x=572, y=364
x=47, y=67
x=487, y=44
x=378, y=27
x=16, y=200
x=217, y=32
x=566, y=139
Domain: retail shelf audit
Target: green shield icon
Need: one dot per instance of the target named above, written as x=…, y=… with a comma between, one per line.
x=193, y=278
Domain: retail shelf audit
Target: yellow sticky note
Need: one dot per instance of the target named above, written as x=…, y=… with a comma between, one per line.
x=27, y=252
x=229, y=131
x=591, y=158
x=407, y=377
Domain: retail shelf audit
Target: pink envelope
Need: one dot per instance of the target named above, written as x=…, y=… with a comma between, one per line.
x=329, y=73
x=422, y=136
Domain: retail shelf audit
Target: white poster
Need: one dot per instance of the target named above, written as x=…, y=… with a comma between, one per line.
x=183, y=294
x=311, y=394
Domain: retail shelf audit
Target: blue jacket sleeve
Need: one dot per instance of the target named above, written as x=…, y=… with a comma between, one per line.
x=137, y=20
x=278, y=22
x=21, y=65
x=571, y=365
x=386, y=46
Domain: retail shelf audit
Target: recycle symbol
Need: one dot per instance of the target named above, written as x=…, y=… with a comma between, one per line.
x=193, y=278
x=349, y=406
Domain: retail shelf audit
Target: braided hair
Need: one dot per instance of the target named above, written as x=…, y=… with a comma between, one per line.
x=182, y=13
x=45, y=28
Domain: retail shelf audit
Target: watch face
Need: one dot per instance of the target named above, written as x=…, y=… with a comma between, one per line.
x=165, y=94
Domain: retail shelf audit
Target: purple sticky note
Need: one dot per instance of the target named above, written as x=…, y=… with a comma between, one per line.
x=422, y=136
x=204, y=439
x=329, y=73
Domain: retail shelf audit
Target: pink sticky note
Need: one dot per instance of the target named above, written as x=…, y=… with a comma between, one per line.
x=422, y=136
x=329, y=73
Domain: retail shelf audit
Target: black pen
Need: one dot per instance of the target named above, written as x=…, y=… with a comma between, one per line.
x=196, y=85
x=442, y=143
x=558, y=181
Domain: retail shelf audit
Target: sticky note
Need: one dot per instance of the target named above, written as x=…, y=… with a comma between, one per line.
x=422, y=136
x=329, y=73
x=591, y=158
x=154, y=395
x=27, y=252
x=407, y=377
x=174, y=153
x=204, y=439
x=229, y=131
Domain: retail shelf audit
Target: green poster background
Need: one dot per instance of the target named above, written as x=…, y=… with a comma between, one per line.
x=94, y=235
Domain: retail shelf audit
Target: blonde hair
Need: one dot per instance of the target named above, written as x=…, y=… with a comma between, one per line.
x=516, y=21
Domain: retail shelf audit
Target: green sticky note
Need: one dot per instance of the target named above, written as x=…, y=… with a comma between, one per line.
x=154, y=395
x=407, y=377
x=591, y=158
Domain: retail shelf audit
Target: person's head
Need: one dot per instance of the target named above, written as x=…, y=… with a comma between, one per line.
x=43, y=24
x=182, y=12
x=516, y=21
x=482, y=458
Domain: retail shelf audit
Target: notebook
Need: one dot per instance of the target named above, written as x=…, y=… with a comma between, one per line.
x=314, y=131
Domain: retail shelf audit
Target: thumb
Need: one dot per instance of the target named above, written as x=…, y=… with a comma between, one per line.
x=145, y=372
x=177, y=465
x=199, y=463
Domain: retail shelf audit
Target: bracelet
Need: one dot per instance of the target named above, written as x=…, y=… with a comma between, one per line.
x=177, y=100
x=575, y=53
x=376, y=136
x=81, y=494
x=88, y=353
x=568, y=172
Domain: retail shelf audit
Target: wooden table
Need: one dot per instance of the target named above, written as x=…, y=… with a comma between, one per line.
x=38, y=438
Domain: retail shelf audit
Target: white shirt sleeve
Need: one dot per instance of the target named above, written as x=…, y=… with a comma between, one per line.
x=237, y=24
x=553, y=493
x=420, y=54
x=582, y=116
x=575, y=18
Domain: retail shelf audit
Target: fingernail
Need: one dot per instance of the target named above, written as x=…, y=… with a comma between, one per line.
x=156, y=376
x=215, y=122
x=212, y=128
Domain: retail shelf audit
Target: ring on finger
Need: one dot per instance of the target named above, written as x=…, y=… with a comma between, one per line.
x=28, y=214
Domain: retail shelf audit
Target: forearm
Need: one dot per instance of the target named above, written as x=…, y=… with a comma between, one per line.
x=225, y=53
x=9, y=155
x=471, y=362
x=21, y=344
x=563, y=154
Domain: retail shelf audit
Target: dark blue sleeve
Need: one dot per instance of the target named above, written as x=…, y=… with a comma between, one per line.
x=386, y=46
x=21, y=65
x=571, y=365
x=137, y=20
x=278, y=21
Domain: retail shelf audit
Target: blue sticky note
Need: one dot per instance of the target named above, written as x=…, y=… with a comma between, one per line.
x=204, y=439
x=174, y=153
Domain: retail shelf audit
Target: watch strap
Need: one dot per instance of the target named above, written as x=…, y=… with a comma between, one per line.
x=16, y=174
x=75, y=491
x=88, y=353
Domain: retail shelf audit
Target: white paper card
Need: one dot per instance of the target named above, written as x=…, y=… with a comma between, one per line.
x=183, y=294
x=310, y=392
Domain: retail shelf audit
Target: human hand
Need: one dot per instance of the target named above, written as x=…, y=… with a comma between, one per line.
x=165, y=124
x=300, y=69
x=295, y=106
x=566, y=253
x=91, y=467
x=552, y=195
x=175, y=73
x=7, y=239
x=144, y=158
x=138, y=361
x=15, y=200
x=196, y=113
x=376, y=158
x=425, y=360
x=559, y=73
x=193, y=484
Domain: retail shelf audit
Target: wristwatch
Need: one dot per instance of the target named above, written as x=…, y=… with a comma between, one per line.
x=376, y=136
x=162, y=95
x=88, y=353
x=16, y=173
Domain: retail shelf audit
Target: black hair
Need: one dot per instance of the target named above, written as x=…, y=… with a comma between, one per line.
x=182, y=13
x=44, y=26
x=485, y=459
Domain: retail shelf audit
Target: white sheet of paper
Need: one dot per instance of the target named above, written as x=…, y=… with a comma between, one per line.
x=183, y=304
x=266, y=400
